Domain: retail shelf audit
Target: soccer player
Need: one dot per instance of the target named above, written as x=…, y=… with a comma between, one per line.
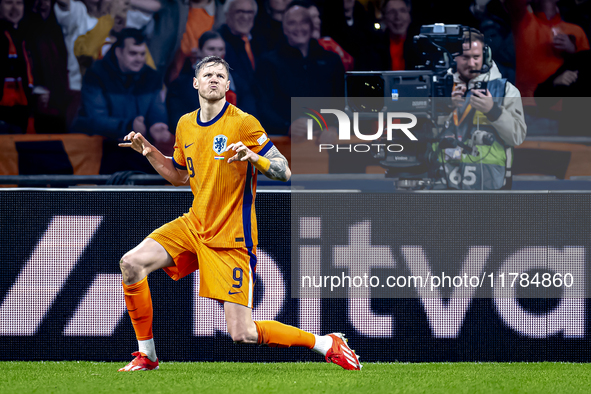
x=218, y=151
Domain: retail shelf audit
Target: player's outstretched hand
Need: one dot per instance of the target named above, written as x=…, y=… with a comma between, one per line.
x=242, y=153
x=137, y=142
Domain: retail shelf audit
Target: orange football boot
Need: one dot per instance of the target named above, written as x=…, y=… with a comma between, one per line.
x=341, y=354
x=141, y=362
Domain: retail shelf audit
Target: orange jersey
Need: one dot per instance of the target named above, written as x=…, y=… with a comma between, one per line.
x=222, y=214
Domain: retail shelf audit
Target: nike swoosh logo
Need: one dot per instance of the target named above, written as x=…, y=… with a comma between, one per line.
x=186, y=146
x=232, y=293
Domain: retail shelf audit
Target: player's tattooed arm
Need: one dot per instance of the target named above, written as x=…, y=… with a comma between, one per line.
x=279, y=169
x=273, y=164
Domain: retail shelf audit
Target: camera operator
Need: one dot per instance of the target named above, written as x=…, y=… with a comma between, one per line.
x=476, y=145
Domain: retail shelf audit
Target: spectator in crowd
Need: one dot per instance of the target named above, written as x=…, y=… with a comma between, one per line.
x=349, y=24
x=397, y=44
x=299, y=68
x=141, y=15
x=202, y=18
x=500, y=40
x=542, y=40
x=490, y=121
x=267, y=25
x=48, y=49
x=242, y=51
x=16, y=70
x=374, y=9
x=121, y=93
x=95, y=43
x=327, y=42
x=169, y=27
x=75, y=20
x=571, y=83
x=119, y=14
x=491, y=9
x=577, y=12
x=181, y=96
x=495, y=24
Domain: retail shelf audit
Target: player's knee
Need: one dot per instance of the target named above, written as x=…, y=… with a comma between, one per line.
x=130, y=268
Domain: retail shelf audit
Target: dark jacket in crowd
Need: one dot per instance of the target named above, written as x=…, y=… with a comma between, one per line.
x=50, y=57
x=181, y=96
x=169, y=26
x=575, y=98
x=358, y=40
x=111, y=100
x=284, y=73
x=267, y=31
x=241, y=69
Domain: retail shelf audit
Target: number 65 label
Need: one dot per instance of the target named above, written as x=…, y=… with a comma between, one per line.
x=468, y=178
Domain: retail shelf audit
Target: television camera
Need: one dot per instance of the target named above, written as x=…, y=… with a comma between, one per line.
x=424, y=92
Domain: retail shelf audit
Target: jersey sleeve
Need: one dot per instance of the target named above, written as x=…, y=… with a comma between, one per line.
x=254, y=136
x=178, y=157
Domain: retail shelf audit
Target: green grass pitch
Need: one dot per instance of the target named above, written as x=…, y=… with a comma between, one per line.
x=242, y=378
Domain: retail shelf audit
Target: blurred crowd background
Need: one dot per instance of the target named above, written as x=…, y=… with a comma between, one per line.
x=106, y=67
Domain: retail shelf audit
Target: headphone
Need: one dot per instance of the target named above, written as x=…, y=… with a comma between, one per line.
x=487, y=58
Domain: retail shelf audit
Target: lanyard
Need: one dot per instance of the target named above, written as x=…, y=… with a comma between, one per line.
x=466, y=112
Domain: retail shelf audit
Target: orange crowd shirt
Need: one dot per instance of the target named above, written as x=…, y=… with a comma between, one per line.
x=536, y=58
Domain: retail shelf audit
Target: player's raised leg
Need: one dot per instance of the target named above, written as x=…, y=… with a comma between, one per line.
x=243, y=329
x=135, y=266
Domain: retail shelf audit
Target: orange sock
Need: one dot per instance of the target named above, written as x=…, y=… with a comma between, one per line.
x=139, y=306
x=275, y=334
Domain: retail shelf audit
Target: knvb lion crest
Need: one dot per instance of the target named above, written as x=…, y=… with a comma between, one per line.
x=219, y=143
